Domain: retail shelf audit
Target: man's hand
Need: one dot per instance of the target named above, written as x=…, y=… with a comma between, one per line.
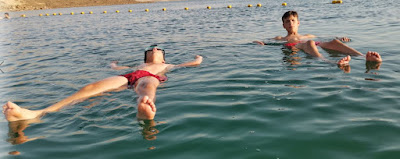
x=259, y=42
x=343, y=39
x=198, y=57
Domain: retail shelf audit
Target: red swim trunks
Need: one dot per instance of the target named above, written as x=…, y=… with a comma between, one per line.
x=136, y=75
x=293, y=44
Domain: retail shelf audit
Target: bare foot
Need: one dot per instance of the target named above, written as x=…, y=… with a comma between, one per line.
x=343, y=64
x=344, y=60
x=146, y=108
x=373, y=56
x=13, y=112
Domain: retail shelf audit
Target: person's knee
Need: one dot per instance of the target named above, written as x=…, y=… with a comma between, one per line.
x=148, y=84
x=311, y=42
x=336, y=41
x=89, y=87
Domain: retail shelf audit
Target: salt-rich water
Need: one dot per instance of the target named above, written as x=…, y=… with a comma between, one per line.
x=244, y=101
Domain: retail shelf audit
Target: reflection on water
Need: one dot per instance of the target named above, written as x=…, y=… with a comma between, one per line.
x=149, y=131
x=291, y=57
x=372, y=65
x=16, y=131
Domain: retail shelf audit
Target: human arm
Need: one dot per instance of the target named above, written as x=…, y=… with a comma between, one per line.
x=197, y=61
x=343, y=39
x=114, y=66
x=259, y=42
x=280, y=38
x=308, y=36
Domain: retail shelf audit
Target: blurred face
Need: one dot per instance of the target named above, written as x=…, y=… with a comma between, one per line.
x=291, y=24
x=155, y=54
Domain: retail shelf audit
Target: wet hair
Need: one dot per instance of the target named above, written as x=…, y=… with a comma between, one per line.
x=288, y=14
x=150, y=49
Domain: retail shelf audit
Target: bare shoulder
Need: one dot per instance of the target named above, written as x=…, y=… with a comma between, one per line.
x=309, y=36
x=278, y=38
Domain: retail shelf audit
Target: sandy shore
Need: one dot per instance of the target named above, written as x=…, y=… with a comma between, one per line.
x=21, y=5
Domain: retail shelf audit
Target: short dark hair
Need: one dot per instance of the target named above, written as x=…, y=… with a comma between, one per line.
x=290, y=13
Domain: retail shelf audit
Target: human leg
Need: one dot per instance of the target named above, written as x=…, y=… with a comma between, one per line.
x=341, y=47
x=310, y=48
x=146, y=88
x=337, y=45
x=13, y=112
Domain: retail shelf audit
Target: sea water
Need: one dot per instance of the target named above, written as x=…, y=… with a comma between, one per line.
x=243, y=101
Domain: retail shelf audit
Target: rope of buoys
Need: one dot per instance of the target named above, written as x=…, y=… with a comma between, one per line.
x=164, y=9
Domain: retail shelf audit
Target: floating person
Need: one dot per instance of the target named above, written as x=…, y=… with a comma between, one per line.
x=295, y=41
x=144, y=80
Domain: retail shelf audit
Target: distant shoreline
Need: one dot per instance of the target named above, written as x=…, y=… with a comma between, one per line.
x=22, y=5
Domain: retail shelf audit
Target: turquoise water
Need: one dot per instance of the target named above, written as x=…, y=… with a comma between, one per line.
x=244, y=101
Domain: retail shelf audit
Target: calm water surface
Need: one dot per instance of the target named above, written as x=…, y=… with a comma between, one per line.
x=244, y=101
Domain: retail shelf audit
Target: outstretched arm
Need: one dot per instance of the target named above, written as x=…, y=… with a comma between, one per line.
x=197, y=61
x=279, y=38
x=114, y=66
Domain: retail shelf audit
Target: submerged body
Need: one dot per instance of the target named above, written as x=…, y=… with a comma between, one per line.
x=295, y=41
